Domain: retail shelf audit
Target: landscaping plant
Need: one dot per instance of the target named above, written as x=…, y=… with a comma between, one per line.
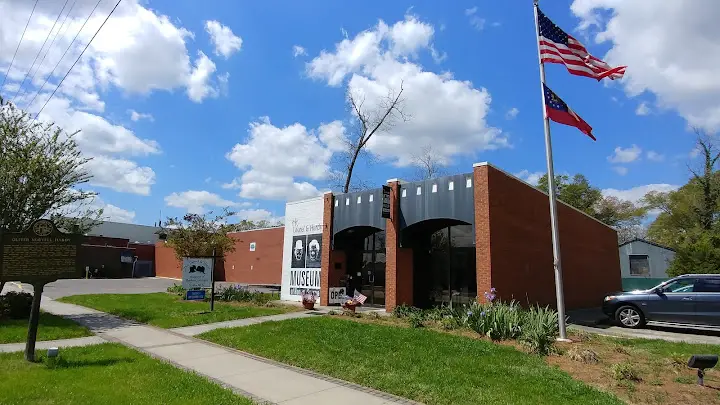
x=16, y=305
x=539, y=330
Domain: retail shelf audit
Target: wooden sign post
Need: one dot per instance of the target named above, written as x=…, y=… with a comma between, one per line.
x=39, y=255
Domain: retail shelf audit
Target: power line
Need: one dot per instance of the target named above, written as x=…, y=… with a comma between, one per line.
x=18, y=47
x=78, y=58
x=64, y=53
x=51, y=44
x=40, y=50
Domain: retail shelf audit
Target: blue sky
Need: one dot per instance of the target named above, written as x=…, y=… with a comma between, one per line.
x=197, y=105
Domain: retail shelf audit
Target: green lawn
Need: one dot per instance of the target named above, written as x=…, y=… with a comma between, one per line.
x=426, y=366
x=51, y=327
x=167, y=310
x=105, y=374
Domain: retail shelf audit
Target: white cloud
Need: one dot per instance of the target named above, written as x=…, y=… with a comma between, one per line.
x=136, y=116
x=199, y=86
x=273, y=157
x=476, y=21
x=626, y=155
x=635, y=194
x=655, y=156
x=671, y=48
x=376, y=62
x=258, y=214
x=110, y=212
x=120, y=175
x=116, y=214
x=530, y=177
x=299, y=51
x=512, y=113
x=226, y=43
x=642, y=109
x=333, y=136
x=138, y=51
x=621, y=170
x=196, y=202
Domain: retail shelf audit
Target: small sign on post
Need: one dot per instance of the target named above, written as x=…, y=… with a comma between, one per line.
x=195, y=295
x=385, y=213
x=39, y=255
x=197, y=273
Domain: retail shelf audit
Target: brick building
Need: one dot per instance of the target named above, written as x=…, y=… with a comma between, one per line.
x=257, y=259
x=450, y=238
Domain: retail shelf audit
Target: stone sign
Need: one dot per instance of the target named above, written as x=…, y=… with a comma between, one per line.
x=40, y=254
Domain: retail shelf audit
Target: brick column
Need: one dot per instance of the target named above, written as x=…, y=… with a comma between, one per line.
x=483, y=268
x=326, y=266
x=398, y=265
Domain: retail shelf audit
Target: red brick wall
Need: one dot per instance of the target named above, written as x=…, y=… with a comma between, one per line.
x=166, y=264
x=394, y=269
x=143, y=252
x=521, y=246
x=326, y=259
x=482, y=230
x=264, y=265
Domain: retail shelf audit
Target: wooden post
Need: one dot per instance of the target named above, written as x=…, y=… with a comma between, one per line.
x=34, y=320
x=212, y=284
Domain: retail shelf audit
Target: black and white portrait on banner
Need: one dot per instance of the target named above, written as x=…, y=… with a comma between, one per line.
x=313, y=249
x=298, y=252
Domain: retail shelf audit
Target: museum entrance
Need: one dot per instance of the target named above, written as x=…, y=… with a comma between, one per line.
x=443, y=262
x=364, y=249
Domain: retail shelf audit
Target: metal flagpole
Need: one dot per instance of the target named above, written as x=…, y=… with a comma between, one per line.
x=551, y=193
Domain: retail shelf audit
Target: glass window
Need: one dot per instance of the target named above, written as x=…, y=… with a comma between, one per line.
x=680, y=286
x=708, y=285
x=639, y=265
x=462, y=236
x=379, y=241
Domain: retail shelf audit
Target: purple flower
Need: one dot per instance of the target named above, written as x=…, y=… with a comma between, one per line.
x=482, y=313
x=493, y=290
x=469, y=313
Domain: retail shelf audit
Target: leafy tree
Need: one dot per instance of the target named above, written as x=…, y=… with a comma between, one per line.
x=41, y=172
x=198, y=235
x=700, y=255
x=579, y=193
x=694, y=209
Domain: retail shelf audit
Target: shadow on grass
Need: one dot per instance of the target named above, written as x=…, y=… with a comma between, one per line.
x=101, y=322
x=61, y=363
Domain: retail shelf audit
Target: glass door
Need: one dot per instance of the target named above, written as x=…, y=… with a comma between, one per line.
x=373, y=269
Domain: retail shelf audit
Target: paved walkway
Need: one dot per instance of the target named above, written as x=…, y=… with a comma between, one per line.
x=46, y=344
x=198, y=329
x=254, y=377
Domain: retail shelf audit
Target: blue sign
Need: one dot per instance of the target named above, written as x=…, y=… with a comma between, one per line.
x=195, y=295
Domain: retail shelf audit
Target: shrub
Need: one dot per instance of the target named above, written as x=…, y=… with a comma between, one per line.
x=16, y=305
x=235, y=293
x=176, y=289
x=625, y=372
x=496, y=320
x=404, y=311
x=416, y=319
x=449, y=322
x=583, y=355
x=540, y=328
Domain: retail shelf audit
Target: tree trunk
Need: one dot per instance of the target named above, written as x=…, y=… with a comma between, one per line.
x=351, y=166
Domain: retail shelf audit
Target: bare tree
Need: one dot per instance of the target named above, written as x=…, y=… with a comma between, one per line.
x=368, y=121
x=427, y=165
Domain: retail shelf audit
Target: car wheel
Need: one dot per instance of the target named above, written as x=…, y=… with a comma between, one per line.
x=630, y=317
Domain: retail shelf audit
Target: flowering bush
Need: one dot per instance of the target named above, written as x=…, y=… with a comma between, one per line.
x=309, y=297
x=496, y=320
x=16, y=305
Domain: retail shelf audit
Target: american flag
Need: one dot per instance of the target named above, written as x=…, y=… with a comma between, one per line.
x=359, y=297
x=558, y=111
x=556, y=46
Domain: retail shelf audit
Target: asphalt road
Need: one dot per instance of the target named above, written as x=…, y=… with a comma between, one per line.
x=63, y=288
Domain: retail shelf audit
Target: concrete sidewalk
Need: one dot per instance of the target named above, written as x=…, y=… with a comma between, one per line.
x=46, y=344
x=198, y=329
x=254, y=377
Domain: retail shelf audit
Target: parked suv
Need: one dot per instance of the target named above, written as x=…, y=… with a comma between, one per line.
x=688, y=299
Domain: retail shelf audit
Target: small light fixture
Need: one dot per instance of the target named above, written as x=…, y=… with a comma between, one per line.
x=53, y=352
x=701, y=362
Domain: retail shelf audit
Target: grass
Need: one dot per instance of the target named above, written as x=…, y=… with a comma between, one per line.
x=419, y=364
x=166, y=310
x=50, y=327
x=105, y=374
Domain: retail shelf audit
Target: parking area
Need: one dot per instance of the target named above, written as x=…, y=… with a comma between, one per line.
x=63, y=288
x=593, y=320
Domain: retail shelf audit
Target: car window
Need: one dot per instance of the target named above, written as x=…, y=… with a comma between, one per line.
x=680, y=286
x=708, y=285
